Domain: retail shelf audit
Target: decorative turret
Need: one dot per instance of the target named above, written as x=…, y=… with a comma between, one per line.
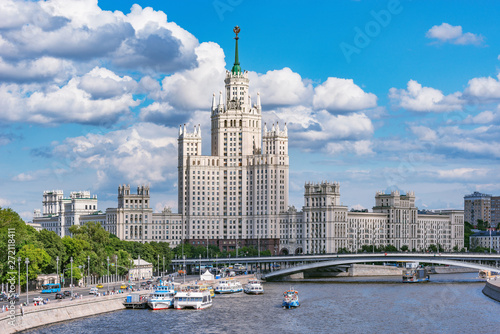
x=258, y=100
x=214, y=106
x=236, y=67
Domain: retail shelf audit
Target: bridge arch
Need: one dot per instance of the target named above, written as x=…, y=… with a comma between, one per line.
x=382, y=258
x=284, y=251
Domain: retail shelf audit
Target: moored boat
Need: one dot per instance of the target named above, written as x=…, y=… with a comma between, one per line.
x=228, y=286
x=290, y=299
x=196, y=299
x=254, y=287
x=162, y=297
x=415, y=275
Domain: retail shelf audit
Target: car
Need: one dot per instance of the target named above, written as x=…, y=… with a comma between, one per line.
x=3, y=297
x=149, y=282
x=14, y=297
x=67, y=293
x=93, y=291
x=38, y=299
x=100, y=286
x=123, y=286
x=144, y=284
x=60, y=295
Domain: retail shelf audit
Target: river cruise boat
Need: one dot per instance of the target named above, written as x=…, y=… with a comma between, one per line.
x=228, y=286
x=254, y=287
x=162, y=298
x=290, y=299
x=487, y=274
x=195, y=299
x=415, y=275
x=201, y=287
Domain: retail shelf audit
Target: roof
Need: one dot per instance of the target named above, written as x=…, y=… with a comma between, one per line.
x=486, y=234
x=142, y=262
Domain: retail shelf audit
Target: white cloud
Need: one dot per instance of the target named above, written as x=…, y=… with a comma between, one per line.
x=453, y=34
x=142, y=153
x=40, y=69
x=22, y=177
x=484, y=117
x=67, y=104
x=483, y=89
x=193, y=88
x=337, y=94
x=360, y=147
x=101, y=83
x=425, y=99
x=280, y=87
x=4, y=202
x=424, y=133
x=463, y=173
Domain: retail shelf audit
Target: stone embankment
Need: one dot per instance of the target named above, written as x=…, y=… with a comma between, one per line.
x=56, y=311
x=492, y=288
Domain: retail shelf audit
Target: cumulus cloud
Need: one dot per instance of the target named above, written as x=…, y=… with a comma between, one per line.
x=464, y=174
x=80, y=30
x=447, y=33
x=342, y=95
x=140, y=154
x=484, y=117
x=41, y=69
x=320, y=130
x=102, y=83
x=484, y=89
x=281, y=88
x=425, y=99
x=193, y=88
x=69, y=103
x=424, y=133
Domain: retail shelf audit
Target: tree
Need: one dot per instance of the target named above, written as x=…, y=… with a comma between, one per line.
x=390, y=248
x=38, y=260
x=404, y=248
x=54, y=246
x=467, y=233
x=432, y=248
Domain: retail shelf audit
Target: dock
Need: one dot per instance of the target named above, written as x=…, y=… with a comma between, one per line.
x=136, y=305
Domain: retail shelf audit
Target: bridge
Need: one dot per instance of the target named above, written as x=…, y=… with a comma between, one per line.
x=292, y=264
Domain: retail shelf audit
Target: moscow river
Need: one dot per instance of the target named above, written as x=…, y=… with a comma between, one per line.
x=451, y=303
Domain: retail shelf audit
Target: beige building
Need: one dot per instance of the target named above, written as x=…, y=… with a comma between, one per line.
x=477, y=206
x=141, y=270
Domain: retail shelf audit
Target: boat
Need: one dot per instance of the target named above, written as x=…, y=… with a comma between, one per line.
x=254, y=287
x=415, y=275
x=228, y=286
x=487, y=274
x=196, y=299
x=162, y=298
x=290, y=299
x=201, y=287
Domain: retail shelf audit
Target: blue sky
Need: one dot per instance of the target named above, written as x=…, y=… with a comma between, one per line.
x=377, y=95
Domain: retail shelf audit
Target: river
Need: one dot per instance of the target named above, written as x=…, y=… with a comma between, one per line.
x=451, y=303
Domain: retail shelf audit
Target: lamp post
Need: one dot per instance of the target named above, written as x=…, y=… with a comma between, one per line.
x=184, y=271
x=116, y=268
x=163, y=273
x=19, y=275
x=57, y=269
x=158, y=262
x=71, y=261
x=200, y=264
x=88, y=268
x=27, y=261
x=108, y=273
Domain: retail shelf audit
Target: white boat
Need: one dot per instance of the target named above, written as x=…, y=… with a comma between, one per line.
x=162, y=298
x=197, y=299
x=228, y=286
x=254, y=287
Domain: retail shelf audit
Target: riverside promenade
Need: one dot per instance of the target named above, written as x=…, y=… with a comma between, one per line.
x=492, y=288
x=60, y=310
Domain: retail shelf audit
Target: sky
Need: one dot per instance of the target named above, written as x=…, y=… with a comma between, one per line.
x=377, y=95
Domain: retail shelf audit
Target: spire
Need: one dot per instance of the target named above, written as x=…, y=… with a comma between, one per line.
x=214, y=106
x=258, y=100
x=236, y=67
x=180, y=130
x=221, y=101
x=199, y=130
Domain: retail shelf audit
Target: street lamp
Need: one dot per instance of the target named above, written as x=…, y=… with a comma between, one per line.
x=71, y=260
x=27, y=261
x=57, y=265
x=163, y=266
x=108, y=273
x=184, y=271
x=116, y=268
x=158, y=262
x=19, y=274
x=200, y=264
x=88, y=268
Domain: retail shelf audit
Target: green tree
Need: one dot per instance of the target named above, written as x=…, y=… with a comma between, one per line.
x=38, y=260
x=467, y=233
x=390, y=248
x=54, y=246
x=404, y=248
